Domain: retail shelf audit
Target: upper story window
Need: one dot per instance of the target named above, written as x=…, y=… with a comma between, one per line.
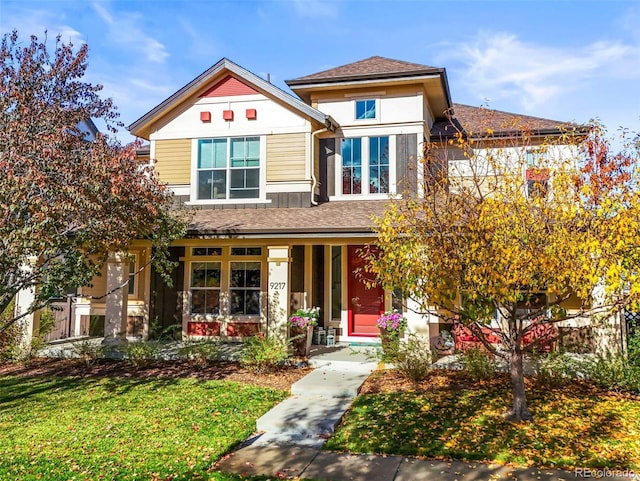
x=228, y=168
x=365, y=165
x=352, y=166
x=366, y=109
x=537, y=175
x=379, y=165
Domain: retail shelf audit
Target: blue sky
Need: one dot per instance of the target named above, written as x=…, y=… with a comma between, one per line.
x=563, y=60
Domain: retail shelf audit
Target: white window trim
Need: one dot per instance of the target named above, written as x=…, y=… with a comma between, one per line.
x=262, y=197
x=375, y=119
x=365, y=169
x=225, y=261
x=135, y=284
x=206, y=316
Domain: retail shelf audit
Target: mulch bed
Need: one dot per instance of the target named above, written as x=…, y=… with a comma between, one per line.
x=392, y=381
x=223, y=371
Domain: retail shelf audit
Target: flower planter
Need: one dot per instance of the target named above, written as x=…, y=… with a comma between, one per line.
x=390, y=341
x=301, y=338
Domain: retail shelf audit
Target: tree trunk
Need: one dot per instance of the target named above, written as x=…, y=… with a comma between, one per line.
x=519, y=411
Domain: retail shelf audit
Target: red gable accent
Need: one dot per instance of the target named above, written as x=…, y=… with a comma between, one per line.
x=229, y=86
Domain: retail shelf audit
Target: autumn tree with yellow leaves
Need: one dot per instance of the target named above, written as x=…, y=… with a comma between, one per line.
x=511, y=225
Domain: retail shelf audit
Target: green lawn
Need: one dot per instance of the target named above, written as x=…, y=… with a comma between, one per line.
x=56, y=428
x=574, y=427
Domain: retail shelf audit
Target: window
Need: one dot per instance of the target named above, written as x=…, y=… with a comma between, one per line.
x=228, y=168
x=534, y=158
x=378, y=165
x=351, y=166
x=365, y=162
x=205, y=288
x=537, y=189
x=132, y=288
x=244, y=289
x=336, y=282
x=225, y=281
x=246, y=251
x=207, y=251
x=365, y=109
x=537, y=175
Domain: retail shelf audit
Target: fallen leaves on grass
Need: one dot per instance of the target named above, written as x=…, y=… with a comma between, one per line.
x=448, y=416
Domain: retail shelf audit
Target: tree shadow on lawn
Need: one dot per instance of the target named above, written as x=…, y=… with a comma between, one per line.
x=572, y=428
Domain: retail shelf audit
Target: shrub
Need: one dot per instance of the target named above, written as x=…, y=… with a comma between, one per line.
x=201, y=352
x=413, y=358
x=633, y=346
x=554, y=369
x=141, y=353
x=478, y=364
x=615, y=372
x=262, y=354
x=88, y=351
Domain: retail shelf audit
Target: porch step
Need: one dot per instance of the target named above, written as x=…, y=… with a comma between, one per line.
x=304, y=416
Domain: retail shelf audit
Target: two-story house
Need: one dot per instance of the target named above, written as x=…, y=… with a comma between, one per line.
x=284, y=188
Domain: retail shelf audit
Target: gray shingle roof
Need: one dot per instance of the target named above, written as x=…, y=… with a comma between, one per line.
x=477, y=120
x=347, y=217
x=371, y=67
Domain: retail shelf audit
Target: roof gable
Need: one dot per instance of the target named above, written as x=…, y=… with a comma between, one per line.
x=202, y=84
x=228, y=87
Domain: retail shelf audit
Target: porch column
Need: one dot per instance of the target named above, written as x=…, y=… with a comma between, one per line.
x=278, y=261
x=115, y=321
x=607, y=325
x=24, y=299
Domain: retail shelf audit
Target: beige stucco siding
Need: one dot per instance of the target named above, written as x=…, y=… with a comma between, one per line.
x=173, y=160
x=97, y=287
x=286, y=156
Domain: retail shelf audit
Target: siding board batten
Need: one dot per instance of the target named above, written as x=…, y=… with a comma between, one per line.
x=406, y=162
x=286, y=155
x=173, y=160
x=327, y=154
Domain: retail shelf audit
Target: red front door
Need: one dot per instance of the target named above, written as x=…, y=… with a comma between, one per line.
x=365, y=304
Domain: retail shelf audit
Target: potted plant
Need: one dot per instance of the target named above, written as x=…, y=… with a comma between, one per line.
x=301, y=329
x=391, y=324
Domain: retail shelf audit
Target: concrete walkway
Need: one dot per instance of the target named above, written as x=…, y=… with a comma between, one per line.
x=293, y=432
x=319, y=400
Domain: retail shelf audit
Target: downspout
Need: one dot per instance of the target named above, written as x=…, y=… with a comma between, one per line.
x=314, y=181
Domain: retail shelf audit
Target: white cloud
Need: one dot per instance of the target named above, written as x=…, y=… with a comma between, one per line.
x=500, y=66
x=127, y=31
x=35, y=22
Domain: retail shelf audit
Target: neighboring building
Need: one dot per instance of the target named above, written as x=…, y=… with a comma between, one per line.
x=284, y=188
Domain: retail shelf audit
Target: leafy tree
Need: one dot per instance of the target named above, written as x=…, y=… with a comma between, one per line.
x=67, y=198
x=512, y=225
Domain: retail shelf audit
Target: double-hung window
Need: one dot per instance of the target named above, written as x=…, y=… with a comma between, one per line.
x=365, y=165
x=228, y=168
x=244, y=288
x=205, y=287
